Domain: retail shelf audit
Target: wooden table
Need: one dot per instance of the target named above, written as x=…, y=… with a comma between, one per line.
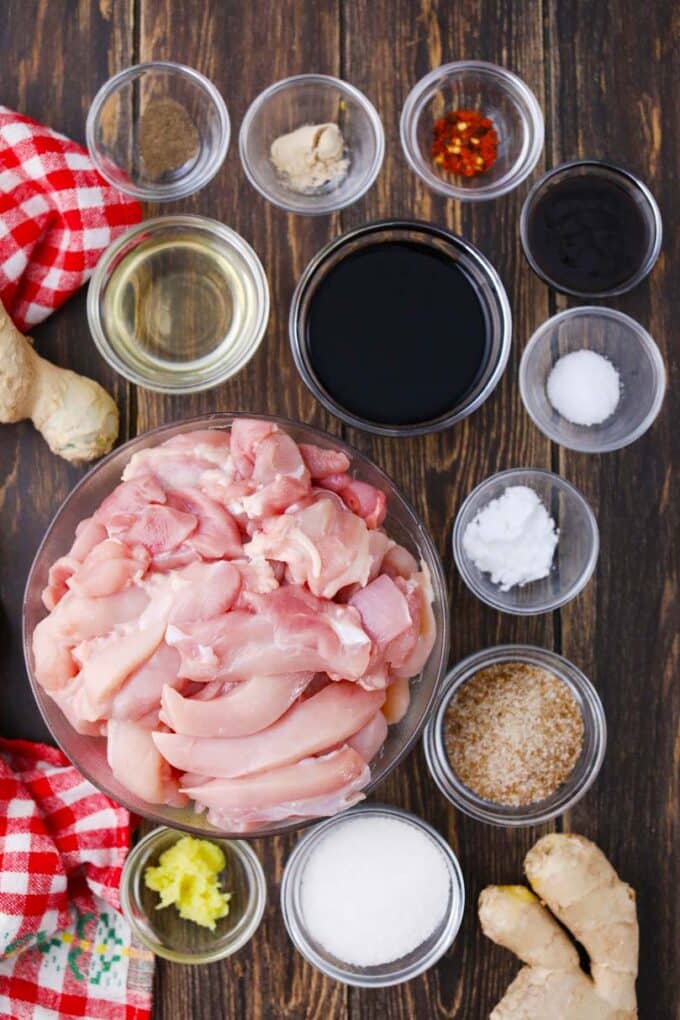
x=606, y=79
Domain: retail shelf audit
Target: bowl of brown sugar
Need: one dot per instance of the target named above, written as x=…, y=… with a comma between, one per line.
x=517, y=735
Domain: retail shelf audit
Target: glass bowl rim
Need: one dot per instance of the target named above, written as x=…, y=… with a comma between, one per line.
x=632, y=180
x=522, y=816
x=325, y=205
x=294, y=926
x=413, y=108
x=99, y=280
x=192, y=182
x=257, y=900
x=646, y=341
x=210, y=420
x=471, y=252
x=461, y=559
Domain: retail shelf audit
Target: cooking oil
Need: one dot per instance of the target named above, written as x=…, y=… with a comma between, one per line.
x=175, y=302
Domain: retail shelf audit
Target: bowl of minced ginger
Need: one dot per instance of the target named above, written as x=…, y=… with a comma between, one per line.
x=192, y=900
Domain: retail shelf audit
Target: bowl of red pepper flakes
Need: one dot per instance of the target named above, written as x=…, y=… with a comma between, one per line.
x=472, y=130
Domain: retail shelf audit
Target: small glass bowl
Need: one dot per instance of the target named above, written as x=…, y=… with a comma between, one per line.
x=630, y=349
x=639, y=192
x=477, y=267
x=577, y=784
x=500, y=95
x=575, y=556
x=312, y=99
x=113, y=122
x=244, y=331
x=167, y=934
x=381, y=975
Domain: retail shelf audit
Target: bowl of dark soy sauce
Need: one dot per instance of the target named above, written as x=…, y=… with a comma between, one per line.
x=400, y=327
x=591, y=229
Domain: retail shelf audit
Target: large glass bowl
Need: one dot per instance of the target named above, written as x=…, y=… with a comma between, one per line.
x=89, y=753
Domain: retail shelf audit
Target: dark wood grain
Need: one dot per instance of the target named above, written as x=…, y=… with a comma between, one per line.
x=606, y=77
x=624, y=629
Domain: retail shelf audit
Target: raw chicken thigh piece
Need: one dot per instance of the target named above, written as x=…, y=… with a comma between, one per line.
x=108, y=568
x=289, y=630
x=397, y=700
x=140, y=696
x=311, y=788
x=362, y=499
x=217, y=535
x=158, y=528
x=246, y=708
x=89, y=533
x=368, y=741
x=323, y=544
x=77, y=619
x=246, y=434
x=136, y=764
x=310, y=727
x=321, y=462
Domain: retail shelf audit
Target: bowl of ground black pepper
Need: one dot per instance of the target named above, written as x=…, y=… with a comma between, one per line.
x=159, y=131
x=517, y=736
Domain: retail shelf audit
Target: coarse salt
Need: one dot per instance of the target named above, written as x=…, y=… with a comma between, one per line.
x=374, y=889
x=513, y=538
x=584, y=387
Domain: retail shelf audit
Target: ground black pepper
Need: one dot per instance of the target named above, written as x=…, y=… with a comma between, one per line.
x=168, y=138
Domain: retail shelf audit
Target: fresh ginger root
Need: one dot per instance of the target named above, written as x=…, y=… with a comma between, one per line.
x=573, y=879
x=77, y=417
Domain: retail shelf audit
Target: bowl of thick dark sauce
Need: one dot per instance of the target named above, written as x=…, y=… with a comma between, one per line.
x=591, y=229
x=400, y=327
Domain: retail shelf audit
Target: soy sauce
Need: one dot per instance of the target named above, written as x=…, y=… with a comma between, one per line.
x=588, y=233
x=397, y=333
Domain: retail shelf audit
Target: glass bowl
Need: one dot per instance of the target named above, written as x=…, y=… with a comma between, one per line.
x=575, y=556
x=635, y=188
x=312, y=99
x=476, y=266
x=167, y=934
x=577, y=784
x=500, y=95
x=382, y=975
x=89, y=753
x=630, y=349
x=113, y=126
x=207, y=278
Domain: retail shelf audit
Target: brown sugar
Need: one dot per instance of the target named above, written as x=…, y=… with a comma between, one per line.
x=513, y=733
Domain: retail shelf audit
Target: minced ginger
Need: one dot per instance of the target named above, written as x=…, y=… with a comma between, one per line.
x=187, y=875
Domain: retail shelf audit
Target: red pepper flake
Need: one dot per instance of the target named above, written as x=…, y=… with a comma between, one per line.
x=465, y=142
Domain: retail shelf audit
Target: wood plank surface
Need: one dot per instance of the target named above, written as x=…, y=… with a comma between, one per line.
x=606, y=77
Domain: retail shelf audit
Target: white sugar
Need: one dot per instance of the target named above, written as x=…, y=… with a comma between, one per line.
x=374, y=889
x=584, y=388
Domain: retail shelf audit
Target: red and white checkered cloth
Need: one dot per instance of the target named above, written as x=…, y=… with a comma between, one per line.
x=65, y=950
x=57, y=216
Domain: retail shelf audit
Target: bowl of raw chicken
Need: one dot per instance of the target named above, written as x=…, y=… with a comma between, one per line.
x=236, y=625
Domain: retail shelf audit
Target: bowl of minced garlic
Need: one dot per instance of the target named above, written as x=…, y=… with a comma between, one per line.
x=517, y=736
x=192, y=900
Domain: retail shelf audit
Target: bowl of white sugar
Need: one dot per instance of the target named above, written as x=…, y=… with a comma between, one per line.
x=592, y=379
x=373, y=897
x=525, y=541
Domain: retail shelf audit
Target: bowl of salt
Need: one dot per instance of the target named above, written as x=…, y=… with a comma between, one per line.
x=592, y=379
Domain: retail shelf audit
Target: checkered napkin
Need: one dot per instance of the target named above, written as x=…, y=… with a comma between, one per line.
x=65, y=950
x=57, y=215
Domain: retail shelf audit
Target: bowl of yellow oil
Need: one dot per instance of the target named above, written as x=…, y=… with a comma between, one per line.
x=178, y=304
